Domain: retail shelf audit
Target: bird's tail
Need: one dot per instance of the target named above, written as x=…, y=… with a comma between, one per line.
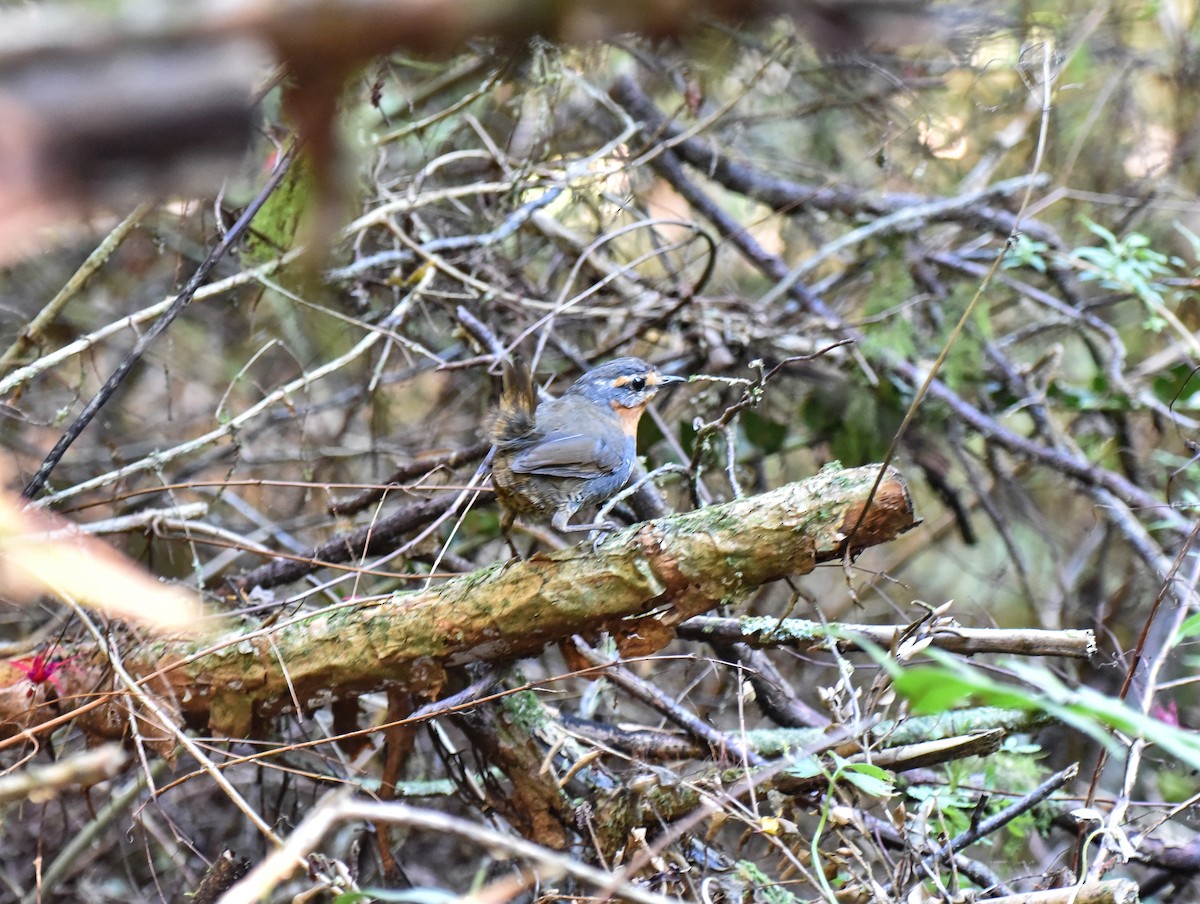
x=514, y=415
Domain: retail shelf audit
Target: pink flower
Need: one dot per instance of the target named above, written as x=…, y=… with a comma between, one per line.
x=42, y=667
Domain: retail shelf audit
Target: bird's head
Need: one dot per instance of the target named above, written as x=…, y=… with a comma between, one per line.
x=626, y=385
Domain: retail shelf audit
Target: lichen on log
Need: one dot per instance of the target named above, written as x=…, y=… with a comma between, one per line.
x=641, y=580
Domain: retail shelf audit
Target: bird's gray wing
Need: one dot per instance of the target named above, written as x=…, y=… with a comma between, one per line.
x=569, y=455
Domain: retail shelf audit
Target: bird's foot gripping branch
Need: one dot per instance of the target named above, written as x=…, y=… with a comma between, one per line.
x=637, y=584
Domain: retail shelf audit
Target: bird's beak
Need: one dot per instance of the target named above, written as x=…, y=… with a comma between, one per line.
x=669, y=379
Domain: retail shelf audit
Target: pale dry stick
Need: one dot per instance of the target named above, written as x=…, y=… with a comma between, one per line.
x=290, y=856
x=428, y=249
x=380, y=368
x=384, y=326
x=298, y=708
x=220, y=411
x=41, y=783
x=359, y=571
x=572, y=173
x=575, y=243
x=153, y=518
x=422, y=124
x=666, y=706
x=1115, y=845
x=998, y=146
x=79, y=346
x=238, y=545
x=338, y=806
x=35, y=368
x=711, y=119
x=378, y=216
x=71, y=288
x=628, y=289
x=150, y=705
x=139, y=744
x=460, y=71
x=631, y=489
x=158, y=459
x=613, y=275
x=911, y=217
x=562, y=303
x=80, y=842
x=483, y=288
x=1116, y=891
x=1147, y=681
x=412, y=190
x=488, y=155
x=945, y=634
x=1149, y=828
x=444, y=547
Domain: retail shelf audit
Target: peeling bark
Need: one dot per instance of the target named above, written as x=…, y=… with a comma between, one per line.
x=653, y=575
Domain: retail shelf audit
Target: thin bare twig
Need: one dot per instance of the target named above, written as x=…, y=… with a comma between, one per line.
x=182, y=300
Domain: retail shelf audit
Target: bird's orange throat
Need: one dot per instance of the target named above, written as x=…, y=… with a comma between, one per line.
x=628, y=417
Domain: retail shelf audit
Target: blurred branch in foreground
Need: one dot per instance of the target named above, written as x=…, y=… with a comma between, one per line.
x=160, y=100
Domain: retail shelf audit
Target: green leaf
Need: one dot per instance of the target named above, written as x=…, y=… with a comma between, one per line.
x=935, y=688
x=869, y=779
x=868, y=769
x=1189, y=628
x=1192, y=239
x=1096, y=229
x=930, y=689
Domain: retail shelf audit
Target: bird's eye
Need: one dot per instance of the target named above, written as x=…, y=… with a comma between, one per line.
x=637, y=384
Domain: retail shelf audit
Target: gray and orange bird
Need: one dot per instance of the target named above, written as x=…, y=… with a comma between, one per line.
x=555, y=457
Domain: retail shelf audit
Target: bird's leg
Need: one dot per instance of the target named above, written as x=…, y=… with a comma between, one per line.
x=599, y=529
x=506, y=523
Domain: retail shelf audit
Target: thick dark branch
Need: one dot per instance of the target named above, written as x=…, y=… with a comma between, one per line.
x=378, y=537
x=796, y=197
